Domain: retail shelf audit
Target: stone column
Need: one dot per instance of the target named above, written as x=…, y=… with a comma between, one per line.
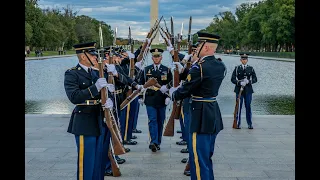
x=153, y=17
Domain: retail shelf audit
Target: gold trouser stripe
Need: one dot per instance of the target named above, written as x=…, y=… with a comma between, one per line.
x=182, y=115
x=81, y=153
x=127, y=122
x=196, y=161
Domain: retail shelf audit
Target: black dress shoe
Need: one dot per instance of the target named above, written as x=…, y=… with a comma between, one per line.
x=181, y=142
x=134, y=137
x=179, y=131
x=153, y=147
x=130, y=142
x=158, y=147
x=250, y=127
x=184, y=160
x=187, y=173
x=184, y=150
x=127, y=150
x=121, y=161
x=238, y=128
x=136, y=131
x=108, y=173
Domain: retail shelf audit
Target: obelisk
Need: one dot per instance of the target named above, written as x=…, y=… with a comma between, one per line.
x=153, y=17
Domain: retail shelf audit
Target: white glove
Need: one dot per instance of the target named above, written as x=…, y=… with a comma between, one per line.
x=242, y=83
x=142, y=90
x=169, y=48
x=169, y=42
x=246, y=81
x=167, y=101
x=180, y=67
x=139, y=87
x=131, y=55
x=171, y=90
x=187, y=57
x=138, y=64
x=164, y=89
x=110, y=88
x=140, y=101
x=149, y=40
x=101, y=82
x=108, y=104
x=112, y=69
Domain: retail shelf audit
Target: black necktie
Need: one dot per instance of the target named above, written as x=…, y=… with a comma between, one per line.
x=157, y=69
x=89, y=70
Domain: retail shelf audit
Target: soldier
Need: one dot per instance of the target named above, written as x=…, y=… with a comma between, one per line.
x=244, y=75
x=134, y=105
x=121, y=81
x=86, y=123
x=203, y=83
x=155, y=100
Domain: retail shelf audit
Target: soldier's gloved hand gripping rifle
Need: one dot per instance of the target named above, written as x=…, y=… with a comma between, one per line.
x=115, y=145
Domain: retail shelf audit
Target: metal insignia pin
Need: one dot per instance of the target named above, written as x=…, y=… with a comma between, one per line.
x=83, y=83
x=79, y=68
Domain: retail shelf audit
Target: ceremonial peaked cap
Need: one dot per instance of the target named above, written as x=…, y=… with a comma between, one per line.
x=156, y=51
x=86, y=47
x=207, y=37
x=244, y=55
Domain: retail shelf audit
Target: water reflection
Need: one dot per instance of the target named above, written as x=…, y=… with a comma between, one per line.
x=273, y=93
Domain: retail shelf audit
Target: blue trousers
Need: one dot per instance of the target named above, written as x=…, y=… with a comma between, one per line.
x=247, y=98
x=185, y=115
x=132, y=115
x=124, y=121
x=91, y=153
x=182, y=125
x=200, y=153
x=136, y=115
x=156, y=118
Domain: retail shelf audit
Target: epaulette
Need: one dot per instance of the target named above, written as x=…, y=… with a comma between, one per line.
x=73, y=68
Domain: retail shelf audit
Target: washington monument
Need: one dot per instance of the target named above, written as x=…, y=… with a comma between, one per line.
x=153, y=17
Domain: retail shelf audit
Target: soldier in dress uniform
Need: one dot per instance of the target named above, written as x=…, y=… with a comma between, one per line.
x=134, y=105
x=121, y=83
x=202, y=83
x=82, y=88
x=155, y=100
x=244, y=75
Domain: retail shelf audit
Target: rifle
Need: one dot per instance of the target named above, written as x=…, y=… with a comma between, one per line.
x=150, y=82
x=114, y=165
x=187, y=168
x=236, y=110
x=189, y=43
x=176, y=108
x=131, y=68
x=156, y=24
x=109, y=118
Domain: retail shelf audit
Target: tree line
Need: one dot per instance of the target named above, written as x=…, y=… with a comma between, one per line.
x=54, y=29
x=267, y=25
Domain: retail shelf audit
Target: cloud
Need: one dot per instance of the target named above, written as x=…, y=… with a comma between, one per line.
x=136, y=13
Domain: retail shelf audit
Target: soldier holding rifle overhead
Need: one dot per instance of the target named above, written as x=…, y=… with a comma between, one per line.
x=202, y=83
x=83, y=89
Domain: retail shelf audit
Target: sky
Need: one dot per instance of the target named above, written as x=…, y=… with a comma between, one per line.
x=121, y=14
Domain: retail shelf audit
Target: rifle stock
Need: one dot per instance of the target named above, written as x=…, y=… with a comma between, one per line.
x=236, y=110
x=114, y=166
x=187, y=168
x=150, y=82
x=110, y=121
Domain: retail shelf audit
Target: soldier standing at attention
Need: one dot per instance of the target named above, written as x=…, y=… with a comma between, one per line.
x=244, y=75
x=86, y=123
x=202, y=83
x=155, y=101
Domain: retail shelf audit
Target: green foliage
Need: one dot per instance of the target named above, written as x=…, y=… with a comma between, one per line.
x=264, y=26
x=54, y=29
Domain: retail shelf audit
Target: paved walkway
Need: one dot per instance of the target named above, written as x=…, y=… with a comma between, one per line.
x=264, y=153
